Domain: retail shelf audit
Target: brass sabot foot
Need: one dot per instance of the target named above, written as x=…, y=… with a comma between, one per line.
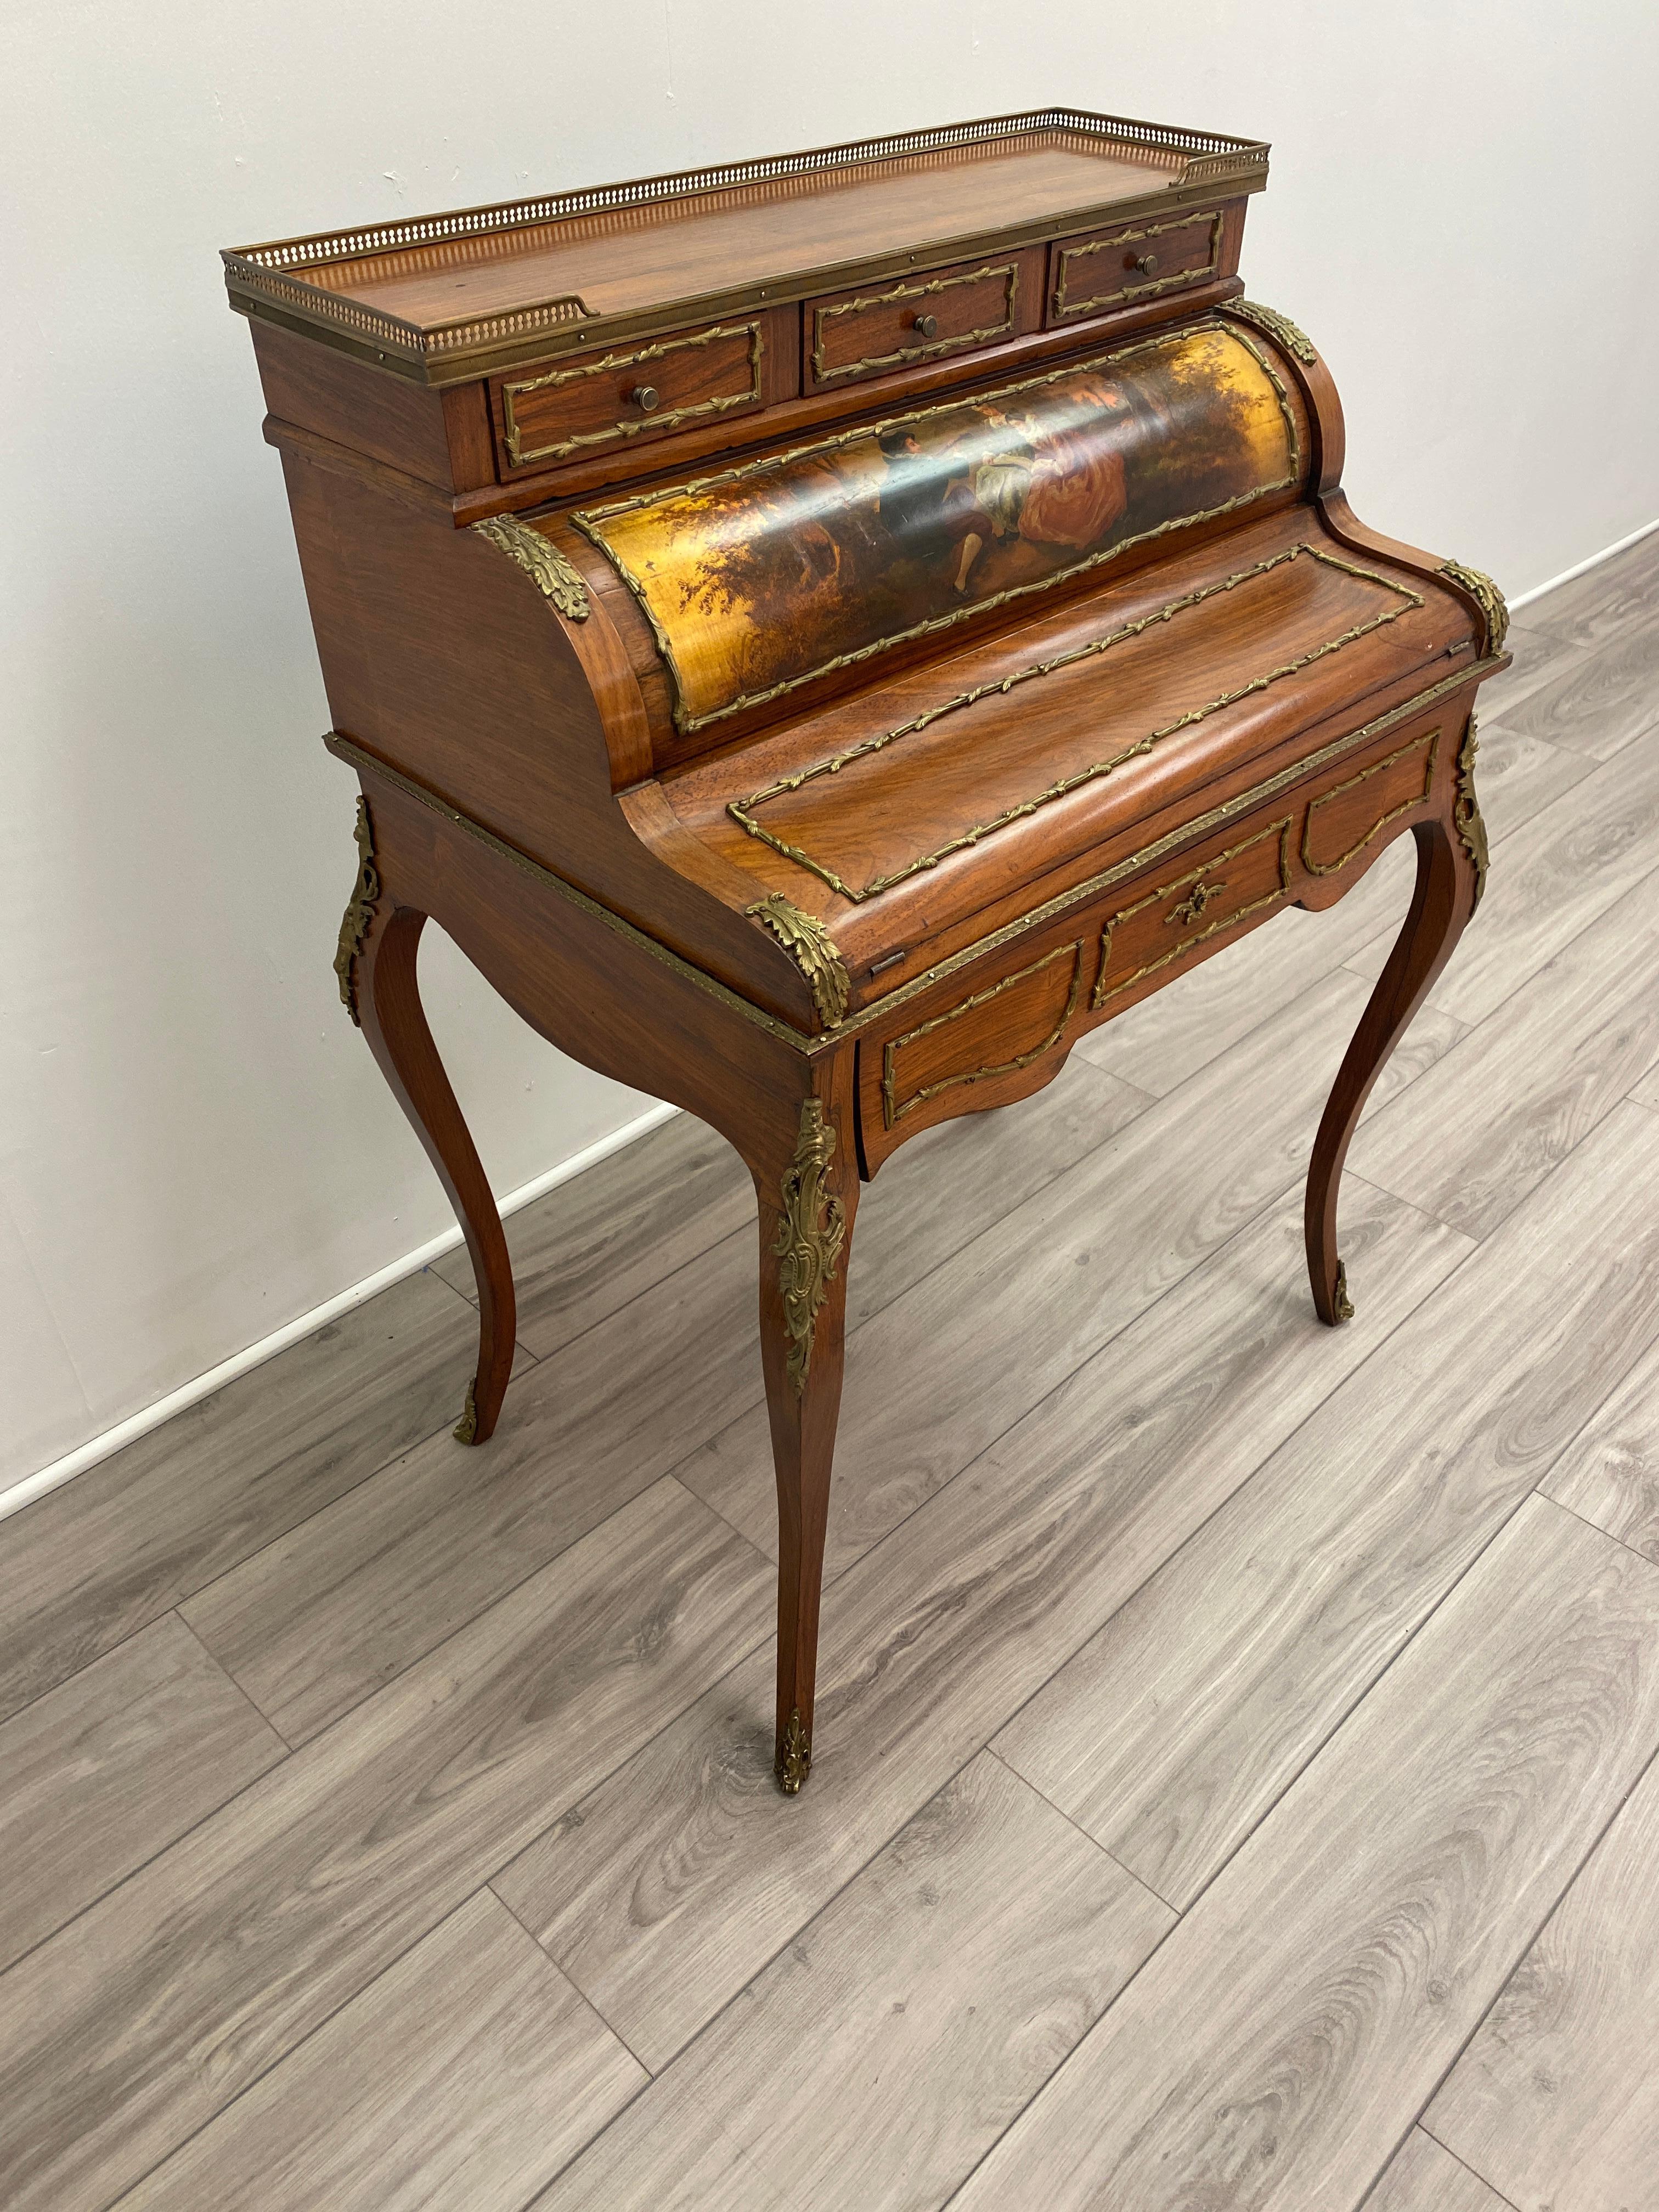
x=794, y=1760
x=1339, y=1298
x=466, y=1428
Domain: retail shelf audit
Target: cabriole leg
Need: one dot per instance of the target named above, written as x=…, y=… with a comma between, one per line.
x=376, y=965
x=805, y=1238
x=1451, y=867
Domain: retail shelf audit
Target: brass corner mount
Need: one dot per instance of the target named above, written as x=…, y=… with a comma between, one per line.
x=1467, y=818
x=811, y=1229
x=812, y=949
x=1486, y=596
x=558, y=579
x=360, y=912
x=1280, y=328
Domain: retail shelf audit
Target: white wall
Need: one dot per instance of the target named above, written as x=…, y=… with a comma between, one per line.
x=195, y=1145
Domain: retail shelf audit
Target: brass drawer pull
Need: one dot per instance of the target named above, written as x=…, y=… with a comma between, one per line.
x=856, y=333
x=1191, y=908
x=1137, y=267
x=587, y=406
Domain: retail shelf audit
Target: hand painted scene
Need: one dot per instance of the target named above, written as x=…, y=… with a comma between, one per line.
x=762, y=580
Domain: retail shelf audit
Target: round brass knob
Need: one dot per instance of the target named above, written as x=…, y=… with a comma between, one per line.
x=644, y=397
x=928, y=324
x=1145, y=263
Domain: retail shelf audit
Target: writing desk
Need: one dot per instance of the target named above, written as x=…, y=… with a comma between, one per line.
x=822, y=634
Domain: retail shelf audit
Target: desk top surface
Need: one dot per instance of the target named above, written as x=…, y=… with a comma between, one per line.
x=435, y=289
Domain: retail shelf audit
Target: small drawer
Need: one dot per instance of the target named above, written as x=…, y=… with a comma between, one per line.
x=850, y=334
x=995, y=1031
x=1093, y=274
x=591, y=401
x=1343, y=822
x=1159, y=929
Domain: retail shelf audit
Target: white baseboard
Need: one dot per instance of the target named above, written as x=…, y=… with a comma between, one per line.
x=1584, y=567
x=151, y=1417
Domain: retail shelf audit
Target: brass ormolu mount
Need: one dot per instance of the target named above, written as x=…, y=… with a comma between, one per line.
x=359, y=914
x=810, y=1232
x=812, y=949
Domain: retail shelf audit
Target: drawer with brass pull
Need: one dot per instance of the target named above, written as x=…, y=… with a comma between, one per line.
x=587, y=404
x=848, y=335
x=1103, y=271
x=1242, y=876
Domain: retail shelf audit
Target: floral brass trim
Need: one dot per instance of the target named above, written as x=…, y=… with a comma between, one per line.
x=1336, y=868
x=1486, y=595
x=741, y=810
x=1341, y=1303
x=794, y=1759
x=1281, y=829
x=360, y=912
x=1280, y=328
x=1467, y=818
x=465, y=1430
x=810, y=1233
x=541, y=560
x=822, y=373
x=588, y=521
x=1064, y=255
x=521, y=455
x=812, y=949
x=894, y=1109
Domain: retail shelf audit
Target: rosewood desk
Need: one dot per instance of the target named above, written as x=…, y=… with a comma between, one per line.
x=824, y=633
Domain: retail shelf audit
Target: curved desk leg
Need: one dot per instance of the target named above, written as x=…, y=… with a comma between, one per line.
x=1449, y=878
x=379, y=942
x=806, y=1238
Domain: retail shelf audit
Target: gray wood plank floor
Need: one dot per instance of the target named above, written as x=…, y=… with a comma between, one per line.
x=1236, y=1780
x=1555, y=2097
x=1423, y=2176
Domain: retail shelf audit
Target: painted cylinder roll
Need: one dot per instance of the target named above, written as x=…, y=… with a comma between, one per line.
x=762, y=578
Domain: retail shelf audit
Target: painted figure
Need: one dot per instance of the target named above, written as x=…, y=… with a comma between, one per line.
x=1079, y=488
x=781, y=568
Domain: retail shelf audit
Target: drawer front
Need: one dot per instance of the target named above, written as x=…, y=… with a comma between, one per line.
x=996, y=1031
x=591, y=402
x=1103, y=269
x=1159, y=928
x=1342, y=822
x=849, y=335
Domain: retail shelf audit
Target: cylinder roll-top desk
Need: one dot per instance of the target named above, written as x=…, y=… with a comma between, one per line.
x=824, y=633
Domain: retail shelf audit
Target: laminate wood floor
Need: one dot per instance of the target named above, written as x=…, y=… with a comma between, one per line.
x=1235, y=1782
